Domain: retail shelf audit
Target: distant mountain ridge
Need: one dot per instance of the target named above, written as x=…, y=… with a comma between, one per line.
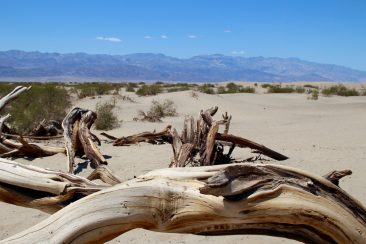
x=20, y=65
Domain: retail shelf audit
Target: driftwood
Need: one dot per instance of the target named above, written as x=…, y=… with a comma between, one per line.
x=47, y=129
x=199, y=137
x=214, y=200
x=46, y=190
x=78, y=138
x=22, y=148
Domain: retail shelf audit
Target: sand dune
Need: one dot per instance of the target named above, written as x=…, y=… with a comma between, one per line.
x=318, y=136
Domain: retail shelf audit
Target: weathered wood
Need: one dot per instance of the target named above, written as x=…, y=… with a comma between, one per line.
x=90, y=149
x=27, y=149
x=78, y=138
x=214, y=200
x=44, y=129
x=335, y=176
x=46, y=190
x=69, y=135
x=210, y=144
x=106, y=175
x=240, y=141
x=110, y=137
x=152, y=137
x=185, y=154
x=2, y=120
x=12, y=95
x=176, y=144
x=227, y=120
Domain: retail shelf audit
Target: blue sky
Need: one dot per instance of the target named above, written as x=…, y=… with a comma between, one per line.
x=315, y=30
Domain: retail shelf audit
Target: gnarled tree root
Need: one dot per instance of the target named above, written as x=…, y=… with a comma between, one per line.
x=214, y=200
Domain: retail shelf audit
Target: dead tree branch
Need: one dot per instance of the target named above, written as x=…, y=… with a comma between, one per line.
x=214, y=200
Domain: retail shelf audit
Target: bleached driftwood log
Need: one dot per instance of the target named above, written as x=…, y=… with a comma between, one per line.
x=46, y=190
x=225, y=199
x=78, y=138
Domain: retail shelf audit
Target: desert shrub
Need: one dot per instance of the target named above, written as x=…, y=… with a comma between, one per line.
x=44, y=101
x=340, y=90
x=299, y=89
x=158, y=111
x=314, y=95
x=176, y=89
x=106, y=119
x=266, y=85
x=130, y=87
x=221, y=90
x=95, y=88
x=149, y=90
x=194, y=94
x=247, y=89
x=232, y=88
x=311, y=86
x=363, y=93
x=207, y=88
x=279, y=89
x=5, y=88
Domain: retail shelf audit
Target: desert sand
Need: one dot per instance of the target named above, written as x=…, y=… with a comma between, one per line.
x=318, y=136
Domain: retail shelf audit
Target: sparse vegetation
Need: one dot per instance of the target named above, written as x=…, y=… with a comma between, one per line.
x=158, y=111
x=96, y=89
x=176, y=89
x=194, y=94
x=149, y=90
x=311, y=86
x=280, y=89
x=47, y=101
x=106, y=119
x=265, y=85
x=207, y=88
x=340, y=90
x=131, y=87
x=314, y=95
x=234, y=88
x=299, y=89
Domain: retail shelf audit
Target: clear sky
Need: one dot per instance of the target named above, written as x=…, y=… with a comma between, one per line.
x=315, y=30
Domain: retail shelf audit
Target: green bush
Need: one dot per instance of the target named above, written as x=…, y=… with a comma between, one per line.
x=279, y=89
x=232, y=88
x=266, y=85
x=221, y=90
x=314, y=95
x=106, y=119
x=340, y=90
x=176, y=89
x=299, y=89
x=247, y=90
x=44, y=101
x=149, y=90
x=207, y=88
x=158, y=110
x=130, y=87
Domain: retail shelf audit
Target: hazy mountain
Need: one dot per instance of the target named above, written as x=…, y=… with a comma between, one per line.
x=20, y=65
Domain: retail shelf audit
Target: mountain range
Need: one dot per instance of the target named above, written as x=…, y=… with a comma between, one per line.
x=22, y=66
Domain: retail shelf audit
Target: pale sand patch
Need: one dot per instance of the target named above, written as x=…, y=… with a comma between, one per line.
x=318, y=136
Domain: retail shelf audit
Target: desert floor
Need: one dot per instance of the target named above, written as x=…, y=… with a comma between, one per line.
x=318, y=136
